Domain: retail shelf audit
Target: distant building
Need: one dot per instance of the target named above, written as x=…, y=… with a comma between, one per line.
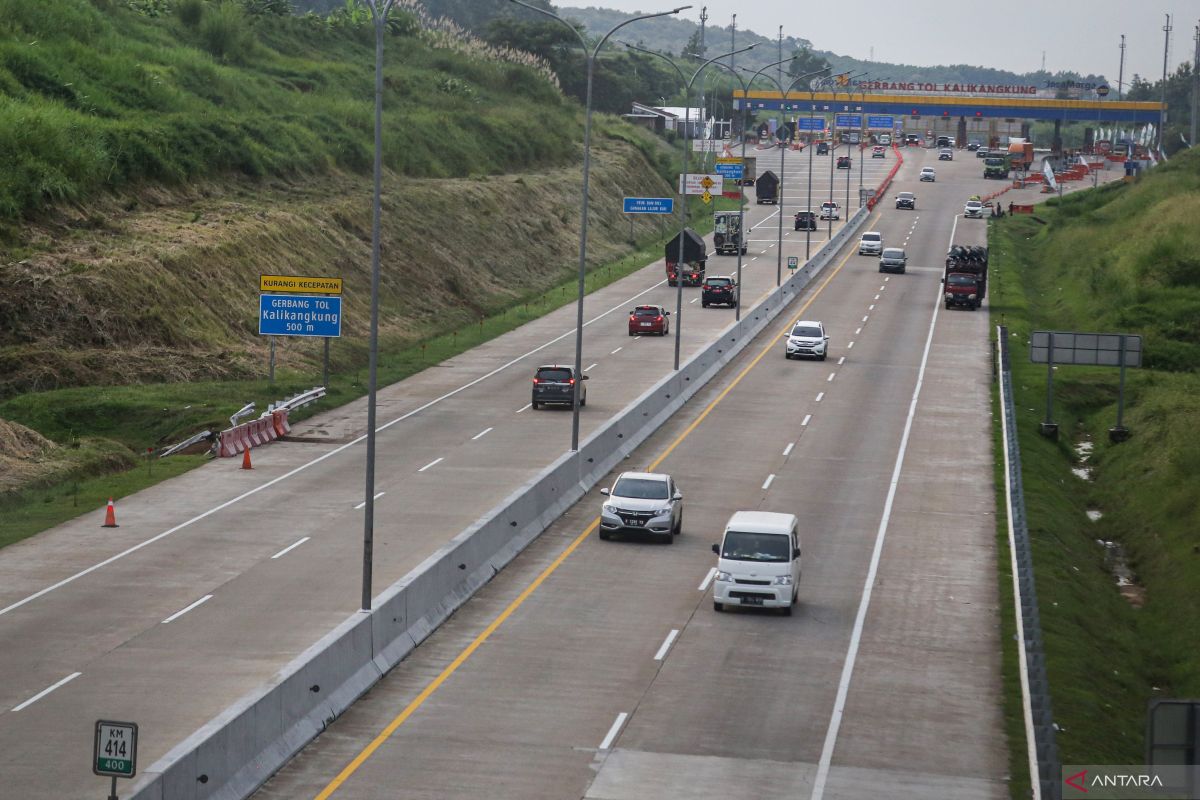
x=668, y=118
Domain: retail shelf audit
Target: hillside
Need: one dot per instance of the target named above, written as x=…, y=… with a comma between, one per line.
x=96, y=96
x=671, y=35
x=1120, y=259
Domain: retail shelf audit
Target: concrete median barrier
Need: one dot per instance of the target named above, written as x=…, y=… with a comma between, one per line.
x=239, y=749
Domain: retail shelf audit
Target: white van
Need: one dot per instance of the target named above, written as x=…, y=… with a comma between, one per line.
x=758, y=561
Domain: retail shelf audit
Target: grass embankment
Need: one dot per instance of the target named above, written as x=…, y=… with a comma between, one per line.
x=1118, y=259
x=95, y=97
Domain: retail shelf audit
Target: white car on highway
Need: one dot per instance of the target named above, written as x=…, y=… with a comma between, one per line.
x=758, y=562
x=642, y=502
x=928, y=174
x=871, y=244
x=807, y=339
x=973, y=208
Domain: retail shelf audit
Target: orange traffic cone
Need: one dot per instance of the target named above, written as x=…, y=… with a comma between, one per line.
x=110, y=516
x=246, y=459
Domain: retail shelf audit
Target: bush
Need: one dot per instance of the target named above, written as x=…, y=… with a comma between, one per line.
x=190, y=12
x=225, y=32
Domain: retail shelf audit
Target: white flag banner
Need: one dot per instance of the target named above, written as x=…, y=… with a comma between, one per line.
x=1048, y=173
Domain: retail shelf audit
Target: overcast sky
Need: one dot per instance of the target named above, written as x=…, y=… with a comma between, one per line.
x=1079, y=35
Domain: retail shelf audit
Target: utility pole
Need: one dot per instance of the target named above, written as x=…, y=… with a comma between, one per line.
x=1043, y=61
x=733, y=42
x=1162, y=112
x=703, y=82
x=1121, y=69
x=1195, y=86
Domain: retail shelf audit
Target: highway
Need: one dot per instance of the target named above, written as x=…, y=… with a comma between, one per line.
x=217, y=579
x=599, y=669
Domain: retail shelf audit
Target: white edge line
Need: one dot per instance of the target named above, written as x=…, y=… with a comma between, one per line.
x=430, y=464
x=47, y=691
x=767, y=483
x=525, y=407
x=585, y=369
x=839, y=704
x=486, y=431
x=804, y=422
x=183, y=611
x=664, y=647
x=613, y=731
x=291, y=547
x=1027, y=709
x=712, y=573
x=841, y=361
x=787, y=451
x=318, y=459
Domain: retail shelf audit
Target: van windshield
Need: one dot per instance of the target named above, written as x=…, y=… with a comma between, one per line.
x=744, y=546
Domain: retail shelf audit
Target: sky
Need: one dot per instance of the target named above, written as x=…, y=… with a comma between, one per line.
x=1076, y=35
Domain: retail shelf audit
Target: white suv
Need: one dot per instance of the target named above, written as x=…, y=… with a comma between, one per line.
x=871, y=244
x=642, y=502
x=807, y=339
x=973, y=208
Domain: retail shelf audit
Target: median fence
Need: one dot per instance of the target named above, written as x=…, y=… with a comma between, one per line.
x=238, y=750
x=1044, y=768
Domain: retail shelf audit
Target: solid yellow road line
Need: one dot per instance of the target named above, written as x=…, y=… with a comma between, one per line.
x=484, y=635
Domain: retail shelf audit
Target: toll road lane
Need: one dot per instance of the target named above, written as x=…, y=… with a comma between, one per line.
x=744, y=696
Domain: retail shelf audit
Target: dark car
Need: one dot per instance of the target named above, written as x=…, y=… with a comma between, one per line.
x=843, y=162
x=906, y=200
x=822, y=148
x=806, y=221
x=982, y=152
x=555, y=383
x=649, y=319
x=719, y=290
x=893, y=259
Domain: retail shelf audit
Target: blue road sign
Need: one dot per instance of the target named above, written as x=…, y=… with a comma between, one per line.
x=731, y=171
x=848, y=120
x=810, y=124
x=649, y=205
x=299, y=315
x=880, y=123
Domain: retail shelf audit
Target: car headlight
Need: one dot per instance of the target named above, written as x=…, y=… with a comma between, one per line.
x=724, y=577
x=971, y=296
x=949, y=296
x=609, y=509
x=662, y=512
x=783, y=580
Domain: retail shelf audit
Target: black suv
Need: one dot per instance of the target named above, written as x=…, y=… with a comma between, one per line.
x=555, y=383
x=843, y=162
x=906, y=200
x=806, y=221
x=822, y=148
x=719, y=290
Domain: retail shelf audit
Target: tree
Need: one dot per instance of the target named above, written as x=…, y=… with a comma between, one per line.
x=693, y=45
x=805, y=61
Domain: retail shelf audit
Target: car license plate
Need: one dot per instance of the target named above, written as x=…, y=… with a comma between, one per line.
x=646, y=324
x=752, y=600
x=634, y=523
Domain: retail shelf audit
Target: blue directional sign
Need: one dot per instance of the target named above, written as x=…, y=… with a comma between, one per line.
x=810, y=124
x=731, y=171
x=848, y=120
x=649, y=205
x=880, y=123
x=299, y=315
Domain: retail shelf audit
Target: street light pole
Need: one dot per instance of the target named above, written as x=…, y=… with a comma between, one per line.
x=379, y=11
x=683, y=210
x=783, y=93
x=590, y=56
x=862, y=111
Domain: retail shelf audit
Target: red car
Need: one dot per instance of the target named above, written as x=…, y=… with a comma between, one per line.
x=649, y=319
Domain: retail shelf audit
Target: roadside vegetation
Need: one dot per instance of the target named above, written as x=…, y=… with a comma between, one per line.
x=1119, y=259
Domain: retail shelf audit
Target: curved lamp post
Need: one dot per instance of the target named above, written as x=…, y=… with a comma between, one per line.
x=683, y=209
x=590, y=57
x=849, y=145
x=783, y=97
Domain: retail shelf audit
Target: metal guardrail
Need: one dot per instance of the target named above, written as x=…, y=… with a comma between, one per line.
x=1044, y=767
x=297, y=401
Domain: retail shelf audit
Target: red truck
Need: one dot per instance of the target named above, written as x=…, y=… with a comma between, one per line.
x=965, y=281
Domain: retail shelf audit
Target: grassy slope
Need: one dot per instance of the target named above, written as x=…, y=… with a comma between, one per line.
x=1118, y=259
x=95, y=97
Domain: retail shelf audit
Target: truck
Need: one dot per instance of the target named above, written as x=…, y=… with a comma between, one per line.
x=964, y=282
x=996, y=166
x=727, y=233
x=1020, y=154
x=749, y=165
x=766, y=188
x=695, y=256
